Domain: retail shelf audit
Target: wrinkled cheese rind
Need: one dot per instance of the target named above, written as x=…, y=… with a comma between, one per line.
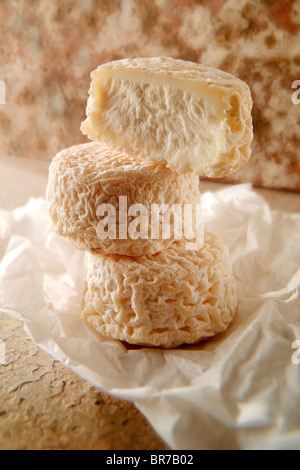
x=168, y=299
x=86, y=176
x=191, y=117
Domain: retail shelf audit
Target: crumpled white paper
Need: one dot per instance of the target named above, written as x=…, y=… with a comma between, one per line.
x=239, y=390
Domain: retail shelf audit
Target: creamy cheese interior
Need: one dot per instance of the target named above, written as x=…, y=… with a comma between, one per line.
x=175, y=121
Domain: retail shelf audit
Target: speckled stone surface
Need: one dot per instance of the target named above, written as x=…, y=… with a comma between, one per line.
x=49, y=49
x=45, y=406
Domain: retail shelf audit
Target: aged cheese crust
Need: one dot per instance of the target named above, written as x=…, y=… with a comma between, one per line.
x=84, y=177
x=168, y=299
x=192, y=117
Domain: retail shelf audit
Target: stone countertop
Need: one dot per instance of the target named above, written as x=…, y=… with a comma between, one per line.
x=43, y=404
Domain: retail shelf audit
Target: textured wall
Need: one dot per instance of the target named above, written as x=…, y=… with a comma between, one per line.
x=48, y=49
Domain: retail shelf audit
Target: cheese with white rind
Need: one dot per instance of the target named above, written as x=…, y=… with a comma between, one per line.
x=168, y=299
x=189, y=116
x=85, y=177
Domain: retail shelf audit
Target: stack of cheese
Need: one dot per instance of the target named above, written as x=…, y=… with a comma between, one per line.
x=156, y=124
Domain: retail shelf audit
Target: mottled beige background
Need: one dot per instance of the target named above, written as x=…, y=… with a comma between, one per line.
x=49, y=47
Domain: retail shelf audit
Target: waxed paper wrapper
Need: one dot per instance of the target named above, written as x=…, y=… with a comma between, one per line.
x=238, y=390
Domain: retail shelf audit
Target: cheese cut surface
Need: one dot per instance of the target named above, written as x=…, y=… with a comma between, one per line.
x=90, y=176
x=168, y=299
x=191, y=117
